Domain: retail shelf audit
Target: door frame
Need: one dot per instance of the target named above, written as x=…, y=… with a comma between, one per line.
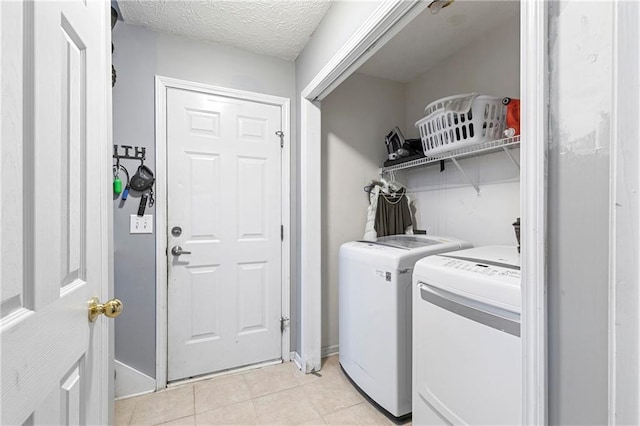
x=383, y=24
x=534, y=77
x=386, y=21
x=624, y=222
x=161, y=86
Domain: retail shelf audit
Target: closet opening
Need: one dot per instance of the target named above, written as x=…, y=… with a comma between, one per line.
x=467, y=48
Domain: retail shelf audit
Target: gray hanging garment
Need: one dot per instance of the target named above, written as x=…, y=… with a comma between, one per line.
x=393, y=215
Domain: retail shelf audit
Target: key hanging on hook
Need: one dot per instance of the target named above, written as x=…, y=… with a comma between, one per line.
x=127, y=186
x=143, y=203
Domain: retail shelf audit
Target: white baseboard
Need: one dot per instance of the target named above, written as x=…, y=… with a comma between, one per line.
x=329, y=350
x=295, y=356
x=131, y=382
x=230, y=372
x=324, y=352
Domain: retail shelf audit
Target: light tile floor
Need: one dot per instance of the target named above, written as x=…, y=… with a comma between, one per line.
x=275, y=395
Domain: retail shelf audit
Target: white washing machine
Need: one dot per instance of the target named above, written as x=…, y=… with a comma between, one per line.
x=374, y=298
x=466, y=338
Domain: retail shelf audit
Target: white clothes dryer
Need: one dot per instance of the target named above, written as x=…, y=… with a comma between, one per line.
x=374, y=299
x=466, y=338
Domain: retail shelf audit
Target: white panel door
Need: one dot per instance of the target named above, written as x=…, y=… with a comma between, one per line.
x=224, y=193
x=54, y=219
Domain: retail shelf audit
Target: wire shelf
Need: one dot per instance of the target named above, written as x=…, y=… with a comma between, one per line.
x=483, y=148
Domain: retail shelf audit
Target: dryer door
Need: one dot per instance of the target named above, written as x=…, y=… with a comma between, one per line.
x=467, y=364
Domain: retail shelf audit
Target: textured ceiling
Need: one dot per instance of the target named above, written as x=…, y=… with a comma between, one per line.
x=429, y=39
x=279, y=28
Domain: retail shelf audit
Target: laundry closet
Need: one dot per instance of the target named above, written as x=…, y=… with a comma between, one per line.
x=467, y=47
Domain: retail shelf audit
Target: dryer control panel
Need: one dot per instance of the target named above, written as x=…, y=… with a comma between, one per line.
x=483, y=268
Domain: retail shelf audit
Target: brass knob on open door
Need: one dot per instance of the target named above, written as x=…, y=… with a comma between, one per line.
x=111, y=309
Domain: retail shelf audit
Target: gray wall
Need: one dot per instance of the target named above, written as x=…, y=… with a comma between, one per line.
x=355, y=118
x=139, y=55
x=580, y=46
x=134, y=58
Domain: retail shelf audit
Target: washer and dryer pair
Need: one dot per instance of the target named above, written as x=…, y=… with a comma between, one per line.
x=464, y=328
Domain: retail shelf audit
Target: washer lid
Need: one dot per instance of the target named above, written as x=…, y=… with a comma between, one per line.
x=406, y=242
x=398, y=251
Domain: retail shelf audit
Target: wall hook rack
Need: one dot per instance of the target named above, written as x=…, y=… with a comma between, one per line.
x=124, y=152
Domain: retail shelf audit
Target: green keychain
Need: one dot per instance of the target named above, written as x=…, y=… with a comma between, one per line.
x=117, y=183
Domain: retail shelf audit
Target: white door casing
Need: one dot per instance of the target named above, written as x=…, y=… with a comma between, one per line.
x=533, y=208
x=55, y=214
x=385, y=22
x=224, y=192
x=624, y=227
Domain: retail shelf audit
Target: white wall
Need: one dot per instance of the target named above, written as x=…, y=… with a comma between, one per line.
x=342, y=20
x=581, y=66
x=139, y=55
x=355, y=118
x=446, y=204
x=491, y=65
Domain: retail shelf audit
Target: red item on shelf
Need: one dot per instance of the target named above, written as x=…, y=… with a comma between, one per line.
x=513, y=114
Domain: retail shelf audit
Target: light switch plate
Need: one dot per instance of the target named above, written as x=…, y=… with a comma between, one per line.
x=141, y=224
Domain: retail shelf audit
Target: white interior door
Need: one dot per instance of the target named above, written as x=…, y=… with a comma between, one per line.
x=54, y=218
x=224, y=194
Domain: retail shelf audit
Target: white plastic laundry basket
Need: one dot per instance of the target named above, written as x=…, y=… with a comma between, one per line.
x=445, y=129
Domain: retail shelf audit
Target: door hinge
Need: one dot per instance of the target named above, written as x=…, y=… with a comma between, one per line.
x=281, y=232
x=280, y=134
x=284, y=322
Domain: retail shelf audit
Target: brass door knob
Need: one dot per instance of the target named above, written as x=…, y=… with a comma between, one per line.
x=111, y=309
